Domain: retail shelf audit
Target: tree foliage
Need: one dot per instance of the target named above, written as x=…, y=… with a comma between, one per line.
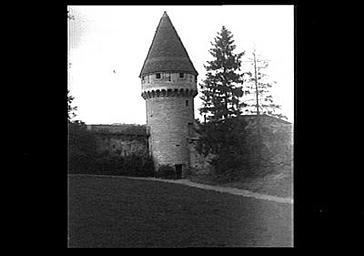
x=70, y=108
x=222, y=88
x=80, y=140
x=234, y=141
x=82, y=147
x=226, y=141
x=83, y=155
x=222, y=133
x=266, y=103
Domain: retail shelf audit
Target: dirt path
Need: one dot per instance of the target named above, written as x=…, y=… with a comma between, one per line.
x=229, y=190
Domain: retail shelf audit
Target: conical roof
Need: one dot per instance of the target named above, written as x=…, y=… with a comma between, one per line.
x=167, y=53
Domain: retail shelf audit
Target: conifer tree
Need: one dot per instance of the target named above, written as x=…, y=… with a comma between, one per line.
x=222, y=87
x=222, y=132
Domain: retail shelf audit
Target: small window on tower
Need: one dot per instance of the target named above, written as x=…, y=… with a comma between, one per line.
x=190, y=129
x=181, y=75
x=186, y=103
x=158, y=75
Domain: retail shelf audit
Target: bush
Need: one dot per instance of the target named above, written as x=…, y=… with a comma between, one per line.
x=147, y=167
x=166, y=172
x=104, y=153
x=84, y=159
x=138, y=165
x=240, y=152
x=131, y=165
x=229, y=166
x=226, y=140
x=81, y=149
x=82, y=139
x=108, y=166
x=80, y=163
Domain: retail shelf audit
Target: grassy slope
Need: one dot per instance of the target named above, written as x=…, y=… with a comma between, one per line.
x=279, y=183
x=119, y=212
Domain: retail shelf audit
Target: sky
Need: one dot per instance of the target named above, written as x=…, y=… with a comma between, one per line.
x=107, y=46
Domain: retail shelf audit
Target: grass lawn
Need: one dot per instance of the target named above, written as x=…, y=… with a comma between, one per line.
x=121, y=212
x=278, y=183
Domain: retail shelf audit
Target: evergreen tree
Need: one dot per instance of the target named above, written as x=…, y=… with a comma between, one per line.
x=222, y=87
x=222, y=133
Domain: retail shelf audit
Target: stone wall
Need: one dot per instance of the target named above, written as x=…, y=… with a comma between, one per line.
x=121, y=139
x=119, y=144
x=173, y=140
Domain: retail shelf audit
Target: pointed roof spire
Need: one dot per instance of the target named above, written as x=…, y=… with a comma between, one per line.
x=167, y=53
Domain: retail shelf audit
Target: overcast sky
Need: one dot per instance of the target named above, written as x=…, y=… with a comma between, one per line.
x=108, y=46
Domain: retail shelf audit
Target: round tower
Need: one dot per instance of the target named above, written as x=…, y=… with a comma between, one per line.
x=169, y=85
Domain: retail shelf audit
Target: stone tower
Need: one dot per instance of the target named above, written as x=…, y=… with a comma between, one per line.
x=169, y=85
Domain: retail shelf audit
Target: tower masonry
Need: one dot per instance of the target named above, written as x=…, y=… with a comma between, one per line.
x=169, y=85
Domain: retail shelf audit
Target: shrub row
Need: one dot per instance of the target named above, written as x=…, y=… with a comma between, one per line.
x=83, y=157
x=241, y=153
x=166, y=172
x=131, y=165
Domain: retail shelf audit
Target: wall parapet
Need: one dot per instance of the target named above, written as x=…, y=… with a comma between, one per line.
x=118, y=129
x=182, y=92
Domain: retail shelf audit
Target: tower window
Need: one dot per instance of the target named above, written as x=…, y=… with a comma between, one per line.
x=158, y=75
x=186, y=103
x=190, y=129
x=181, y=75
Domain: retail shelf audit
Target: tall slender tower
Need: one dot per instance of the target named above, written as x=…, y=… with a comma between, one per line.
x=169, y=85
